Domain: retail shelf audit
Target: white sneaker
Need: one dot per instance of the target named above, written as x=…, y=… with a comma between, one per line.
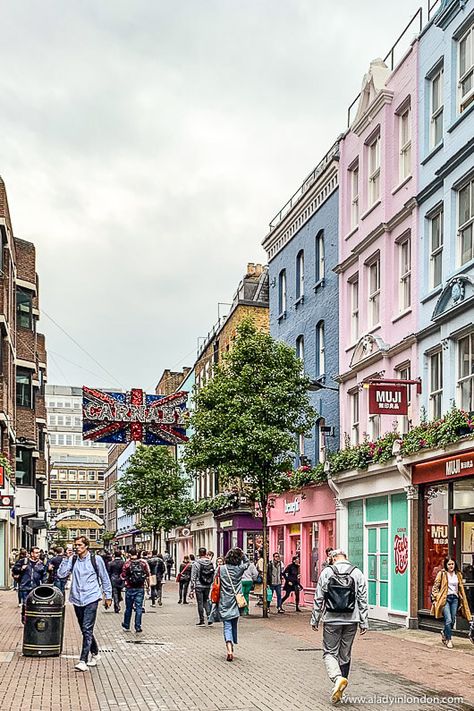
x=338, y=689
x=93, y=660
x=81, y=666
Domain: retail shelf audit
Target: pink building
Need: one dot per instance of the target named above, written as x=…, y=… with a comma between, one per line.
x=303, y=523
x=377, y=245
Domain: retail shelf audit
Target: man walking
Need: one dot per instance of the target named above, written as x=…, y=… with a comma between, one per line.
x=341, y=601
x=274, y=578
x=169, y=564
x=136, y=574
x=157, y=571
x=88, y=576
x=29, y=572
x=115, y=573
x=53, y=567
x=202, y=576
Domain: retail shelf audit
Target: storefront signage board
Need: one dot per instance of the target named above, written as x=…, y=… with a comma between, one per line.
x=388, y=399
x=444, y=468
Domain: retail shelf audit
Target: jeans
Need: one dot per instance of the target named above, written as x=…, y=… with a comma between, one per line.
x=295, y=590
x=183, y=590
x=277, y=589
x=22, y=595
x=337, y=647
x=246, y=588
x=202, y=597
x=60, y=584
x=230, y=630
x=86, y=615
x=116, y=597
x=449, y=612
x=133, y=597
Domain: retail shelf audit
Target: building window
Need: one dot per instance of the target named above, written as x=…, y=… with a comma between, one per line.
x=300, y=275
x=320, y=268
x=301, y=444
x=466, y=69
x=404, y=373
x=82, y=494
x=466, y=372
x=72, y=475
x=436, y=384
x=466, y=219
x=374, y=427
x=374, y=171
x=23, y=388
x=92, y=495
x=52, y=420
x=61, y=420
x=354, y=178
x=374, y=292
x=24, y=467
x=24, y=308
x=436, y=109
x=73, y=494
x=436, y=249
x=354, y=287
x=300, y=347
x=405, y=143
x=355, y=418
x=405, y=274
x=91, y=476
x=320, y=350
x=53, y=494
x=100, y=475
x=53, y=475
x=63, y=495
x=282, y=292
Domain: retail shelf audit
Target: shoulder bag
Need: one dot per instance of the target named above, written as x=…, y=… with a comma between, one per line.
x=240, y=599
x=216, y=588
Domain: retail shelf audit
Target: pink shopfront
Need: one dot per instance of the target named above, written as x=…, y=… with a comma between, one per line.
x=304, y=523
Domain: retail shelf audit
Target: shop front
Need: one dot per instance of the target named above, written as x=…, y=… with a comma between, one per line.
x=204, y=532
x=303, y=524
x=239, y=528
x=446, y=492
x=374, y=527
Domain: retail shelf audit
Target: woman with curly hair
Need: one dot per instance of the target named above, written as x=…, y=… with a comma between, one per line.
x=227, y=610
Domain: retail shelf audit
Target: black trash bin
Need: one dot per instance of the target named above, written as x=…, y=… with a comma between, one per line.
x=44, y=623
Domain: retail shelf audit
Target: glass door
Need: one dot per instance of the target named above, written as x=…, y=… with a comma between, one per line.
x=377, y=565
x=465, y=558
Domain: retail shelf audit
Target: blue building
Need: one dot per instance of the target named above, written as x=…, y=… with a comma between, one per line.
x=446, y=331
x=302, y=249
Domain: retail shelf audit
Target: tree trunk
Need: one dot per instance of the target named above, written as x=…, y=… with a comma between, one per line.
x=153, y=540
x=265, y=557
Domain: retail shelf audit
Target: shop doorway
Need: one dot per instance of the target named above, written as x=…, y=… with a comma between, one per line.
x=464, y=527
x=377, y=570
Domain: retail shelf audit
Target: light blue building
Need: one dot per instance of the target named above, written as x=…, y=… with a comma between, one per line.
x=302, y=249
x=446, y=208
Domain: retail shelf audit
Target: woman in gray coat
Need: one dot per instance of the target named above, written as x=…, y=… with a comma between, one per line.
x=227, y=610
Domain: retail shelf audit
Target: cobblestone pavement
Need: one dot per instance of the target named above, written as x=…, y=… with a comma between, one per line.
x=175, y=666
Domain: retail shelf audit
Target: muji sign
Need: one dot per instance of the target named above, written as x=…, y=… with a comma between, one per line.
x=388, y=399
x=133, y=416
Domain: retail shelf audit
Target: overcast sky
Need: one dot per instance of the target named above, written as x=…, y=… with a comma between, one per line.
x=145, y=146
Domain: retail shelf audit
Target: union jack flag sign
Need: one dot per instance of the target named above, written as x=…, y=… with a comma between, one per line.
x=119, y=418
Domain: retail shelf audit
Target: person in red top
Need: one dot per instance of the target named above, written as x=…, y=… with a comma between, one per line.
x=136, y=574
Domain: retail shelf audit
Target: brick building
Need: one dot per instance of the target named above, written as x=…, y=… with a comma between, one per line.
x=22, y=406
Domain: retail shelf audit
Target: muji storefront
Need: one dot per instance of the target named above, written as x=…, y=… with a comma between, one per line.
x=446, y=523
x=303, y=523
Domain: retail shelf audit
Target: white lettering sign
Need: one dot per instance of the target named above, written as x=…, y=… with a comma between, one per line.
x=291, y=507
x=389, y=399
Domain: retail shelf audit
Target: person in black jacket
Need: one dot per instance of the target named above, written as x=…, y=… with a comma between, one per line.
x=292, y=581
x=31, y=572
x=184, y=578
x=114, y=570
x=157, y=572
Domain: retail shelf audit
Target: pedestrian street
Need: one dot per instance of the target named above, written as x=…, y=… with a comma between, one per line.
x=176, y=666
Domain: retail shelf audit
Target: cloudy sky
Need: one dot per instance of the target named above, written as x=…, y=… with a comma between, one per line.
x=146, y=144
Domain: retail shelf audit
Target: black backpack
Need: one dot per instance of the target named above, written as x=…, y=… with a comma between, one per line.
x=206, y=575
x=340, y=595
x=136, y=574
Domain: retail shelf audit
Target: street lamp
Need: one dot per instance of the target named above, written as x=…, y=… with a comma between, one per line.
x=316, y=385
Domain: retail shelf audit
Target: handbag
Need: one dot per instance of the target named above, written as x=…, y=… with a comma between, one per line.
x=179, y=577
x=216, y=588
x=152, y=579
x=240, y=599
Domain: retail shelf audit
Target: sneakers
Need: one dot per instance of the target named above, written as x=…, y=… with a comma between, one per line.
x=125, y=629
x=160, y=603
x=338, y=690
x=198, y=624
x=81, y=666
x=93, y=660
x=281, y=611
x=449, y=644
x=139, y=630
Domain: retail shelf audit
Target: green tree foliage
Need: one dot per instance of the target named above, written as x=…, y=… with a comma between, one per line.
x=154, y=489
x=249, y=416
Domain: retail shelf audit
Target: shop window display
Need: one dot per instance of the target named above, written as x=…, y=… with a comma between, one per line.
x=435, y=534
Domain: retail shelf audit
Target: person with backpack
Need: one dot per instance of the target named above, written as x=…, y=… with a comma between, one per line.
x=53, y=567
x=115, y=573
x=29, y=573
x=89, y=583
x=341, y=602
x=136, y=575
x=202, y=577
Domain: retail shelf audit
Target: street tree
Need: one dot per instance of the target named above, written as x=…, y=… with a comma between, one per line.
x=248, y=418
x=154, y=489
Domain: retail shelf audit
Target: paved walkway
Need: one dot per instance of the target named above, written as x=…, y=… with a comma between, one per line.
x=176, y=666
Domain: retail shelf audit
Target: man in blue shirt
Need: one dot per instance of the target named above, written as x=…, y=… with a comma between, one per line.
x=88, y=574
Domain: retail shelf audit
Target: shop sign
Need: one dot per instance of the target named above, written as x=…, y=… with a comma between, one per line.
x=456, y=466
x=185, y=532
x=6, y=502
x=400, y=551
x=388, y=399
x=295, y=529
x=439, y=534
x=292, y=507
x=447, y=467
x=2, y=477
x=227, y=523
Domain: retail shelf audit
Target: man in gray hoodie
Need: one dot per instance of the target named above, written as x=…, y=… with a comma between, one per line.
x=202, y=575
x=342, y=605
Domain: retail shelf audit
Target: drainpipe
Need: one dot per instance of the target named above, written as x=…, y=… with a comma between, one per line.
x=341, y=511
x=412, y=507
